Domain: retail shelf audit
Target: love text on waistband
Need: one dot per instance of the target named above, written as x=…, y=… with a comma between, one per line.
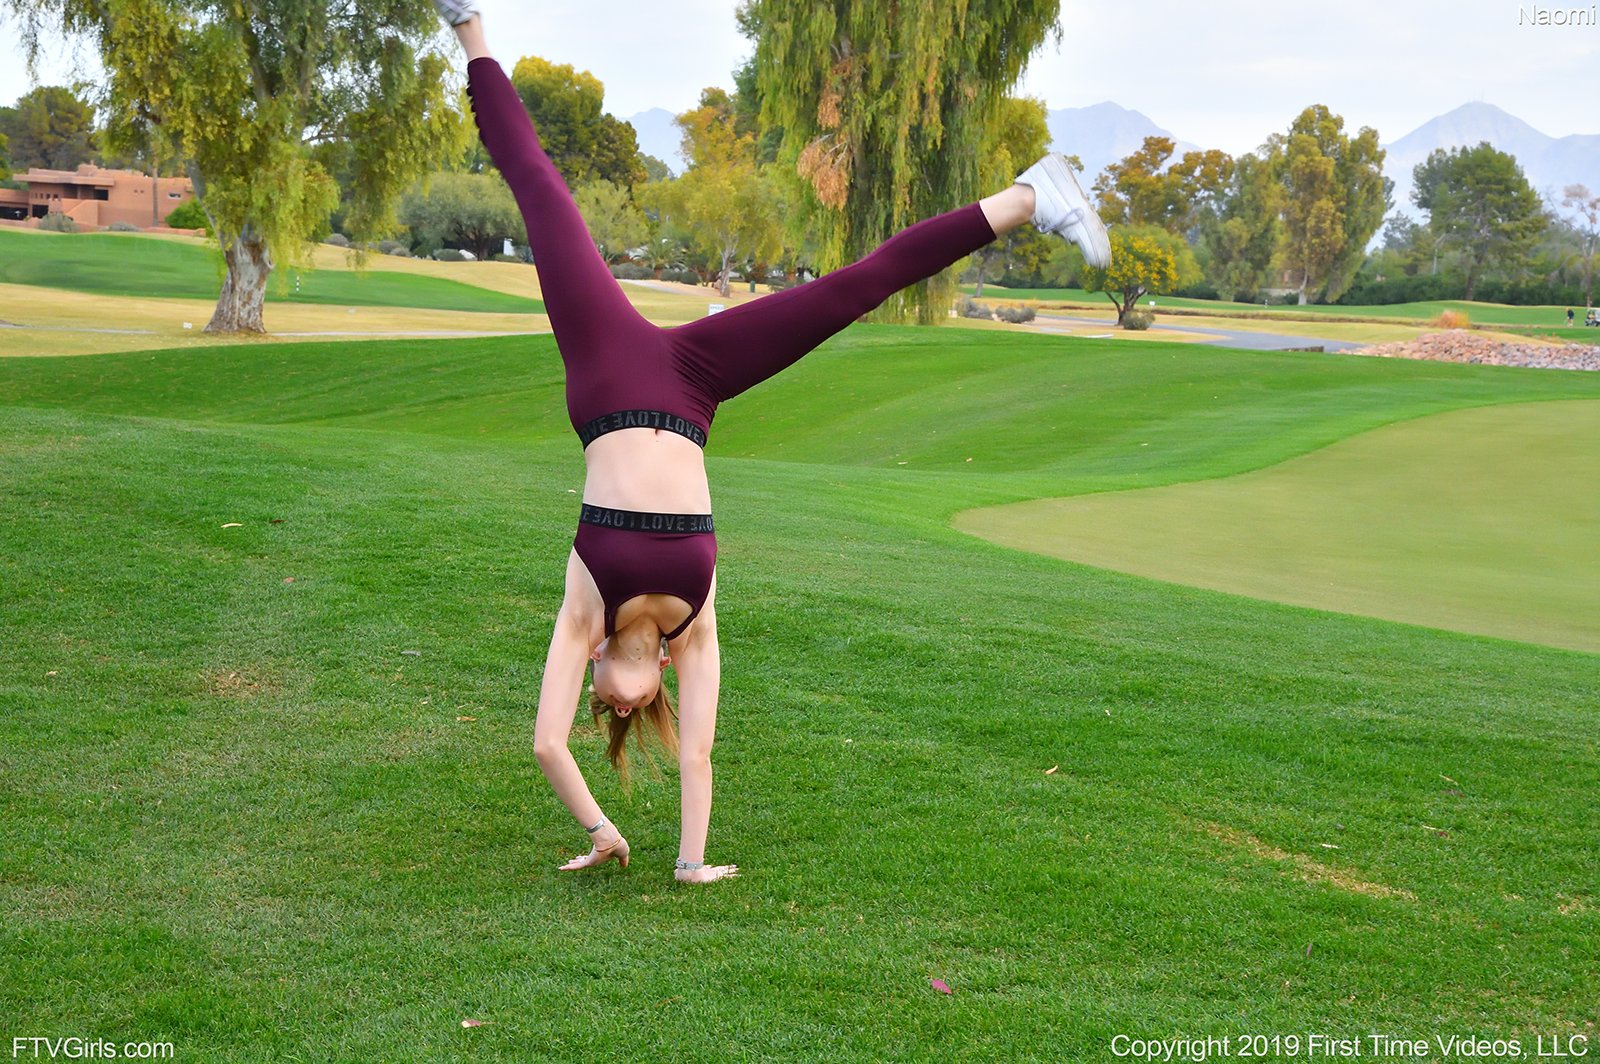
x=636, y=521
x=642, y=419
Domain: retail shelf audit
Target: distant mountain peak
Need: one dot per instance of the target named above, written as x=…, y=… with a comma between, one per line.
x=1549, y=162
x=1104, y=133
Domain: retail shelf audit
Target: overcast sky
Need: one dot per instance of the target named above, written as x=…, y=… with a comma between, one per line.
x=1220, y=74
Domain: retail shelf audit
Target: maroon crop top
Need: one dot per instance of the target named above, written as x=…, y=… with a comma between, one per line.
x=630, y=553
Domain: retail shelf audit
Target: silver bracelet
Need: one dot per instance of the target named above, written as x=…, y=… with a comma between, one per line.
x=690, y=865
x=598, y=826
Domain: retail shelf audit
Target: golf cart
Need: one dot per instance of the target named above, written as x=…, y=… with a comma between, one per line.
x=1592, y=318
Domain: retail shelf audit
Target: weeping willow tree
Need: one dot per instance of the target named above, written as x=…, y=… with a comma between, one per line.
x=266, y=100
x=883, y=109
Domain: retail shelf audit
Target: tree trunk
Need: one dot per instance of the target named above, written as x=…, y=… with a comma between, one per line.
x=1305, y=279
x=1472, y=282
x=1122, y=307
x=724, y=287
x=244, y=290
x=659, y=270
x=983, y=260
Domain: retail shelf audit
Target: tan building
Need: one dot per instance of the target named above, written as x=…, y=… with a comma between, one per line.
x=94, y=198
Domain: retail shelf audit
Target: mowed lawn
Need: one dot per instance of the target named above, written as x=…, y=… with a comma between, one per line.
x=268, y=791
x=1478, y=313
x=128, y=264
x=1505, y=498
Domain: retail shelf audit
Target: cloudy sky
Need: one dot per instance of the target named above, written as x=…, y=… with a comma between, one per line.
x=1219, y=74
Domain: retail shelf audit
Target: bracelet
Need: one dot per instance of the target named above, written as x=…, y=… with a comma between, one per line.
x=598, y=826
x=690, y=865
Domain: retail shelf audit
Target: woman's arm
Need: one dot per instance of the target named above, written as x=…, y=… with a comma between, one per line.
x=699, y=664
x=575, y=634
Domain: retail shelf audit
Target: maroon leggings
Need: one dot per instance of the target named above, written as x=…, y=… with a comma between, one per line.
x=615, y=359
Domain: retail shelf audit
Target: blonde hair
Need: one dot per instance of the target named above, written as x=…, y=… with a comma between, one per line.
x=661, y=715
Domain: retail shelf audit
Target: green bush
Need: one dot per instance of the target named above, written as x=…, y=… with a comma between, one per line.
x=968, y=307
x=394, y=247
x=188, y=215
x=1015, y=315
x=57, y=223
x=504, y=258
x=338, y=240
x=1138, y=320
x=631, y=271
x=448, y=255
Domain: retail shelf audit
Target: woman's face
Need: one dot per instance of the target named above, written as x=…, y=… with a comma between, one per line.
x=625, y=683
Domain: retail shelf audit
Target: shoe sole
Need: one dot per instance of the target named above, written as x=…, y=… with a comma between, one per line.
x=1066, y=182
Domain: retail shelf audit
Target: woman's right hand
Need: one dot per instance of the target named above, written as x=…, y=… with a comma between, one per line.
x=706, y=874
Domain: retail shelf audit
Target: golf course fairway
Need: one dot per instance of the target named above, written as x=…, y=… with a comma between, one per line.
x=1481, y=520
x=273, y=620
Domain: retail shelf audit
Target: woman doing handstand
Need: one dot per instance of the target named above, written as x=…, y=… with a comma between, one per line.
x=642, y=570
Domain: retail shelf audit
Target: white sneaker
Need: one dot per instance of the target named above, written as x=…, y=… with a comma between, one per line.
x=456, y=12
x=1061, y=207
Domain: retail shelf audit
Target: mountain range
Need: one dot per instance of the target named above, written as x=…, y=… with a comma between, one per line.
x=1550, y=163
x=1106, y=132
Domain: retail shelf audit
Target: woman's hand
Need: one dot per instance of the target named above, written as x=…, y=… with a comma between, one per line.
x=706, y=874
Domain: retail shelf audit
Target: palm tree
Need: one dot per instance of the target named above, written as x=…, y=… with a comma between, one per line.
x=661, y=253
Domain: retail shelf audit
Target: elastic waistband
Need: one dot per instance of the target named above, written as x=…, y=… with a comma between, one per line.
x=642, y=419
x=638, y=521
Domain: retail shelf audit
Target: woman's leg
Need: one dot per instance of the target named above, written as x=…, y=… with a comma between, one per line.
x=743, y=346
x=585, y=303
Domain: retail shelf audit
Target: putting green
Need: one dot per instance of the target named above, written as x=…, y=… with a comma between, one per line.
x=1484, y=521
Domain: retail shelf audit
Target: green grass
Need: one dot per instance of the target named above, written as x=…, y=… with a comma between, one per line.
x=1493, y=492
x=1562, y=336
x=234, y=814
x=1479, y=313
x=132, y=265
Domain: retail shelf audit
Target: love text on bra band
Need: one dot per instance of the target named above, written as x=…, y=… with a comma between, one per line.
x=642, y=419
x=636, y=521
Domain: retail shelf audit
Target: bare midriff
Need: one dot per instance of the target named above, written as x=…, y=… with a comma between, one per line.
x=647, y=470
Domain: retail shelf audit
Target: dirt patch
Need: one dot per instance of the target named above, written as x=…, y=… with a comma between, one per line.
x=229, y=683
x=1307, y=869
x=1573, y=905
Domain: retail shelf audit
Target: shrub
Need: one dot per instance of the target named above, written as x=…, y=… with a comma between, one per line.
x=393, y=247
x=1452, y=319
x=968, y=307
x=188, y=215
x=503, y=258
x=122, y=227
x=1015, y=315
x=57, y=223
x=1138, y=320
x=681, y=276
x=448, y=255
x=631, y=271
x=338, y=240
